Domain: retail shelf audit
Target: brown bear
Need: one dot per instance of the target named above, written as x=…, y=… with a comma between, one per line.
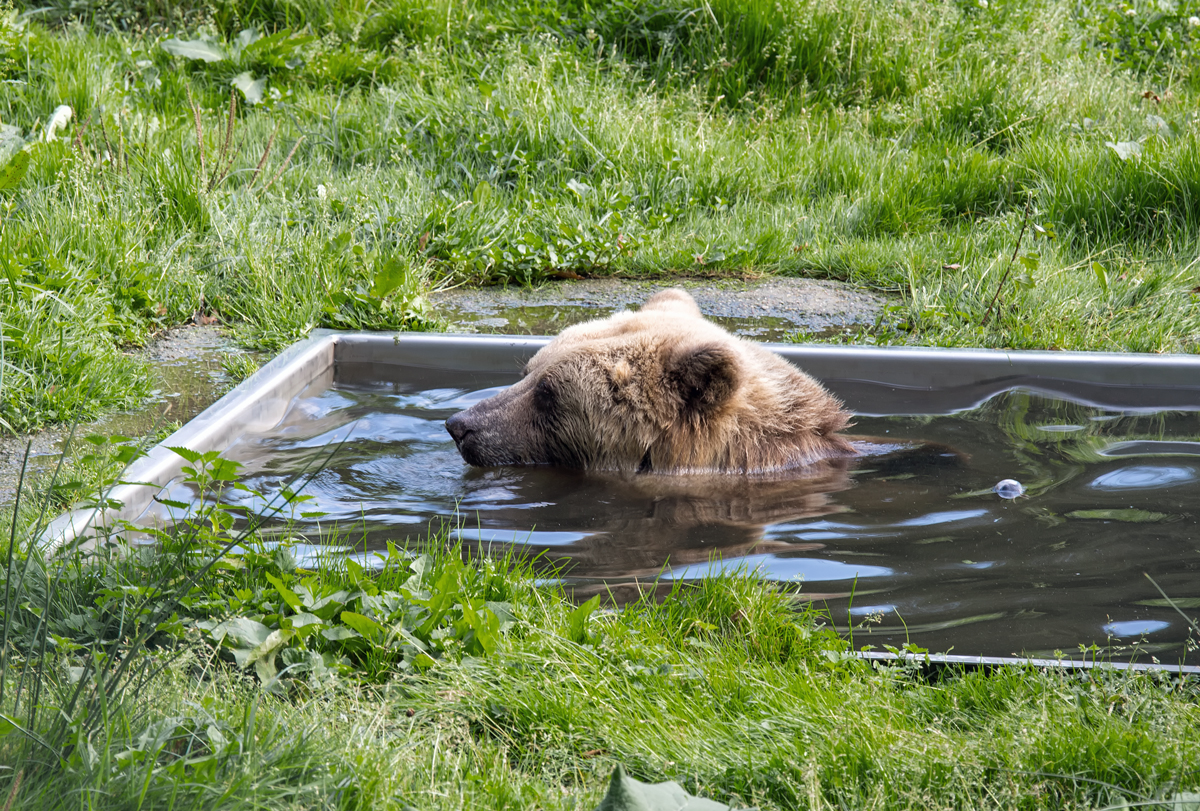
x=660, y=390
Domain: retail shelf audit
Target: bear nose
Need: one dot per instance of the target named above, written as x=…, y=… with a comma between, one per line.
x=457, y=426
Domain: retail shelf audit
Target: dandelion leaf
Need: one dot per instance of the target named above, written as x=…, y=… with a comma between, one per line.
x=627, y=794
x=14, y=172
x=194, y=49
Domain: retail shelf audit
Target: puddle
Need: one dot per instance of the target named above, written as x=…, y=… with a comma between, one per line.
x=188, y=378
x=900, y=547
x=767, y=310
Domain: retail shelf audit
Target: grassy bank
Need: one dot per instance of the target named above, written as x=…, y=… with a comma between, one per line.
x=211, y=671
x=376, y=149
x=287, y=164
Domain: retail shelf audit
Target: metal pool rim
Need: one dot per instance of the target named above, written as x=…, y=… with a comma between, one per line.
x=945, y=661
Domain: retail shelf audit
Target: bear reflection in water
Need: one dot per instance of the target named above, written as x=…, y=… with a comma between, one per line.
x=615, y=527
x=660, y=437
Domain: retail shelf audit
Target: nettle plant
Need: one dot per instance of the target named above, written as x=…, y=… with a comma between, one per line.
x=262, y=611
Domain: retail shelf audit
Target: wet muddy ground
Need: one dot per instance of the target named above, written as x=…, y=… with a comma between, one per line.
x=767, y=309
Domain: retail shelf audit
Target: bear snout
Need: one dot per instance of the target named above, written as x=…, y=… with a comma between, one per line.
x=477, y=437
x=458, y=428
x=462, y=430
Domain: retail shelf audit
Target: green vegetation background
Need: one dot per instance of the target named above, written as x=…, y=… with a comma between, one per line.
x=377, y=148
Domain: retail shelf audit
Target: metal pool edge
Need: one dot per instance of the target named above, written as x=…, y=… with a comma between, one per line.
x=945, y=661
x=259, y=401
x=871, y=380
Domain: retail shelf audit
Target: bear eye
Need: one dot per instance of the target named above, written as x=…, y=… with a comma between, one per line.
x=544, y=395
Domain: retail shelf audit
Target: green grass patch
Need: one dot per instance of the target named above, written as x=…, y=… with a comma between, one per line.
x=1011, y=175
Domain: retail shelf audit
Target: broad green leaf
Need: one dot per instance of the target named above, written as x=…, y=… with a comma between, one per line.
x=187, y=453
x=504, y=614
x=194, y=49
x=287, y=594
x=328, y=606
x=391, y=275
x=278, y=50
x=339, y=632
x=1101, y=276
x=174, y=505
x=264, y=651
x=252, y=89
x=224, y=470
x=14, y=171
x=247, y=632
x=1125, y=149
x=577, y=621
x=366, y=626
x=627, y=794
x=11, y=141
x=399, y=630
x=216, y=741
x=484, y=629
x=242, y=656
x=418, y=567
x=1160, y=126
x=1183, y=801
x=264, y=668
x=445, y=594
x=247, y=37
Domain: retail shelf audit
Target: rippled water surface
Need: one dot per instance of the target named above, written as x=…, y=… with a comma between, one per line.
x=903, y=546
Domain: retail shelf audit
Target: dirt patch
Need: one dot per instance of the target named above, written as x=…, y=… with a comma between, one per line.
x=770, y=310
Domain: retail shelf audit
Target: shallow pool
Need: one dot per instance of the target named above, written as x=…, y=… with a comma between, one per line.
x=901, y=547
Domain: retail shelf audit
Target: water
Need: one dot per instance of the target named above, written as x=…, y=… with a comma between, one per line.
x=907, y=547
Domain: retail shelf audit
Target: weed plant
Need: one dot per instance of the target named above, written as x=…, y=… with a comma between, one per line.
x=372, y=150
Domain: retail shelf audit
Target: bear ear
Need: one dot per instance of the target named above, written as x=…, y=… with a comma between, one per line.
x=674, y=300
x=703, y=377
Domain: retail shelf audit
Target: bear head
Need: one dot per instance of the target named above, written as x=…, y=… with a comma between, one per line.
x=659, y=390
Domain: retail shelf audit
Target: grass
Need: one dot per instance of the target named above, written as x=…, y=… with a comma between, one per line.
x=377, y=149
x=373, y=150
x=210, y=671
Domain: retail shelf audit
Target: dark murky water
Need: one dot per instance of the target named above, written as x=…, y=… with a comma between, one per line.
x=901, y=547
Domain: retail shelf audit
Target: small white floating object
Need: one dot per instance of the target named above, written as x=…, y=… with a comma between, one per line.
x=58, y=121
x=1009, y=488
